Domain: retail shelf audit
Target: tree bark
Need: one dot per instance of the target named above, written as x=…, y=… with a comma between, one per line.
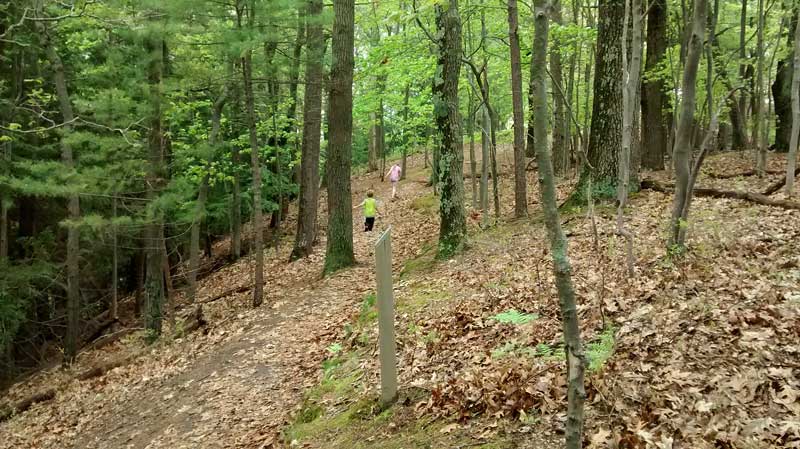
x=156, y=175
x=683, y=139
x=255, y=166
x=4, y=206
x=573, y=347
x=520, y=178
x=654, y=97
x=605, y=139
x=560, y=149
x=406, y=132
x=339, y=252
x=73, y=202
x=236, y=200
x=742, y=110
x=312, y=122
x=792, y=157
x=759, y=126
x=452, y=230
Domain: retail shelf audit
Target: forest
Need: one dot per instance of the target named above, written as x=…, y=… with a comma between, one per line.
x=595, y=228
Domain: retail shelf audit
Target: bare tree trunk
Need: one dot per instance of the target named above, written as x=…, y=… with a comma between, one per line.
x=654, y=97
x=258, y=221
x=452, y=231
x=743, y=72
x=405, y=131
x=573, y=348
x=312, y=122
x=73, y=203
x=520, y=178
x=682, y=150
x=372, y=144
x=236, y=206
x=559, y=149
x=339, y=251
x=633, y=9
x=156, y=175
x=758, y=103
x=792, y=157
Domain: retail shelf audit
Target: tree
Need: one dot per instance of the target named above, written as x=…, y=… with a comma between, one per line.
x=450, y=178
x=561, y=156
x=255, y=165
x=573, y=347
x=654, y=97
x=73, y=232
x=312, y=122
x=782, y=88
x=759, y=138
x=339, y=253
x=792, y=157
x=154, y=233
x=605, y=137
x=683, y=138
x=520, y=178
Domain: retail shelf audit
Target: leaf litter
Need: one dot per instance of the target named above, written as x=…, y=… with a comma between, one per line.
x=703, y=350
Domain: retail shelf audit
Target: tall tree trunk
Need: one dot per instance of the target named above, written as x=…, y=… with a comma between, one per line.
x=156, y=175
x=372, y=143
x=782, y=90
x=560, y=149
x=742, y=112
x=312, y=122
x=255, y=166
x=520, y=178
x=758, y=103
x=605, y=139
x=339, y=253
x=236, y=200
x=683, y=139
x=573, y=347
x=654, y=97
x=630, y=88
x=73, y=203
x=792, y=157
x=452, y=230
x=406, y=131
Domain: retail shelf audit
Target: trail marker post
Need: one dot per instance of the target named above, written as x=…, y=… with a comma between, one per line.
x=386, y=341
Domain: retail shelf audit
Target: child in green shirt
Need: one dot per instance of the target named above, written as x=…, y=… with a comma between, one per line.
x=370, y=205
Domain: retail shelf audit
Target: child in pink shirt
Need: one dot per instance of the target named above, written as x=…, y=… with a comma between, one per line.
x=394, y=178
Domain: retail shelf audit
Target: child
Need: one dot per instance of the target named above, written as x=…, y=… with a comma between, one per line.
x=394, y=178
x=370, y=210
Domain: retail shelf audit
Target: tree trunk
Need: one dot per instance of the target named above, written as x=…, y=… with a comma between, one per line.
x=654, y=97
x=742, y=110
x=520, y=178
x=5, y=204
x=339, y=253
x=573, y=347
x=372, y=143
x=683, y=138
x=236, y=200
x=452, y=230
x=255, y=165
x=156, y=175
x=758, y=103
x=560, y=148
x=73, y=203
x=605, y=139
x=792, y=158
x=312, y=122
x=630, y=87
x=406, y=132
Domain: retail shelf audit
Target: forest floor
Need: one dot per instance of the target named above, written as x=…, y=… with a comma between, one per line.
x=693, y=352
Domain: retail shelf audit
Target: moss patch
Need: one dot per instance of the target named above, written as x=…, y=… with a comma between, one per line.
x=427, y=204
x=423, y=262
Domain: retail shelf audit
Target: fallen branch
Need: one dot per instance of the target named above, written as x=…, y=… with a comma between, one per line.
x=103, y=368
x=193, y=319
x=756, y=198
x=779, y=185
x=25, y=404
x=742, y=174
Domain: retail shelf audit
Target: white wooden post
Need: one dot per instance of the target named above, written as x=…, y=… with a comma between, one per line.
x=387, y=345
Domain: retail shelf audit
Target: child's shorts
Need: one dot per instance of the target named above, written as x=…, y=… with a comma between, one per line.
x=369, y=222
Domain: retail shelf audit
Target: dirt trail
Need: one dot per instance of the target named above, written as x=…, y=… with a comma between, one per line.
x=234, y=387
